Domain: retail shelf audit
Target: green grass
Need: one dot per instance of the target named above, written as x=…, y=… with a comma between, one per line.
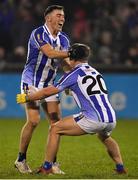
x=81, y=157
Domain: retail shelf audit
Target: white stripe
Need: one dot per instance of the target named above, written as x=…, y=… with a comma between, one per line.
x=28, y=52
x=38, y=64
x=99, y=116
x=46, y=30
x=49, y=33
x=43, y=36
x=76, y=99
x=44, y=74
x=58, y=43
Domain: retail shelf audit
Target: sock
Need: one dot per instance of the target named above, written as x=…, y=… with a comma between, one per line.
x=47, y=165
x=119, y=167
x=55, y=159
x=21, y=156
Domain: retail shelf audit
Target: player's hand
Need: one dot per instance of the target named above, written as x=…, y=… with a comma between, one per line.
x=21, y=98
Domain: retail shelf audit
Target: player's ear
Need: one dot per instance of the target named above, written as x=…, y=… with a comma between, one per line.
x=48, y=18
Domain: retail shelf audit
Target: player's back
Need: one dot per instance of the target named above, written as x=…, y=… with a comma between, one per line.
x=91, y=94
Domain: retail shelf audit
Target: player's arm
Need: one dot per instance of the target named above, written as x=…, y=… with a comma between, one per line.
x=40, y=94
x=48, y=50
x=52, y=53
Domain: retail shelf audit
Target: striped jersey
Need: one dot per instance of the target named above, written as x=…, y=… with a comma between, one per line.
x=89, y=91
x=39, y=70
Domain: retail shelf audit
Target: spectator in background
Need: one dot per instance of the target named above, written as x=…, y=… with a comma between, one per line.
x=130, y=54
x=133, y=34
x=105, y=52
x=6, y=20
x=2, y=58
x=133, y=16
x=22, y=27
x=81, y=31
x=39, y=9
x=120, y=36
x=132, y=57
x=19, y=55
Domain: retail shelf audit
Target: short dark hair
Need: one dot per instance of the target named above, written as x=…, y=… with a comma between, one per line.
x=79, y=51
x=51, y=8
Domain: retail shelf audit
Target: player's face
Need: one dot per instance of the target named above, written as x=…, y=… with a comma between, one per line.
x=57, y=19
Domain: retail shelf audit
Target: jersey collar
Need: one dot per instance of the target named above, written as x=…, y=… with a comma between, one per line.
x=49, y=33
x=81, y=64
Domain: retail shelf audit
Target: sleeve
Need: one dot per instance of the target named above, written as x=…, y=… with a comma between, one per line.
x=40, y=37
x=65, y=42
x=67, y=81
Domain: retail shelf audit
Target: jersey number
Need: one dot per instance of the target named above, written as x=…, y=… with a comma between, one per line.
x=96, y=80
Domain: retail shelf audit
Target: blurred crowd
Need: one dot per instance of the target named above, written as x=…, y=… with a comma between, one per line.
x=110, y=27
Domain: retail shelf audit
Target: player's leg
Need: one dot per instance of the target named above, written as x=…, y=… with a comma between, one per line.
x=68, y=126
x=33, y=118
x=52, y=109
x=113, y=151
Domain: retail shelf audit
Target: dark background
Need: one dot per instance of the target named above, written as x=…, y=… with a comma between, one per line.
x=109, y=27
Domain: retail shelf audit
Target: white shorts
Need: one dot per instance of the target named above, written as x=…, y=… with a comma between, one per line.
x=90, y=126
x=25, y=87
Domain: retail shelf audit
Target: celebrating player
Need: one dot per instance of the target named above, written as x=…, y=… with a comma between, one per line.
x=96, y=117
x=46, y=47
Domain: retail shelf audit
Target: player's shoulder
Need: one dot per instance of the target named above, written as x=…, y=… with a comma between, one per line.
x=39, y=30
x=64, y=35
x=75, y=72
x=70, y=74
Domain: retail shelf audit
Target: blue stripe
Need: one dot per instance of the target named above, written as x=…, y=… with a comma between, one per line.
x=87, y=67
x=78, y=117
x=49, y=77
x=110, y=117
x=40, y=70
x=25, y=87
x=93, y=72
x=81, y=72
x=98, y=107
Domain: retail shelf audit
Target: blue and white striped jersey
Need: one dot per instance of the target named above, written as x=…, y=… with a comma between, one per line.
x=89, y=91
x=39, y=70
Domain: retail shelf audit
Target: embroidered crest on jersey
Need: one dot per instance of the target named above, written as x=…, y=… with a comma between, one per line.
x=39, y=39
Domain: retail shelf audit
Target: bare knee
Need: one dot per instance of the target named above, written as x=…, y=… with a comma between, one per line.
x=54, y=117
x=32, y=113
x=33, y=121
x=103, y=138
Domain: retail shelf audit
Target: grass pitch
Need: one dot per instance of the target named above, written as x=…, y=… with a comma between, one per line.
x=82, y=157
